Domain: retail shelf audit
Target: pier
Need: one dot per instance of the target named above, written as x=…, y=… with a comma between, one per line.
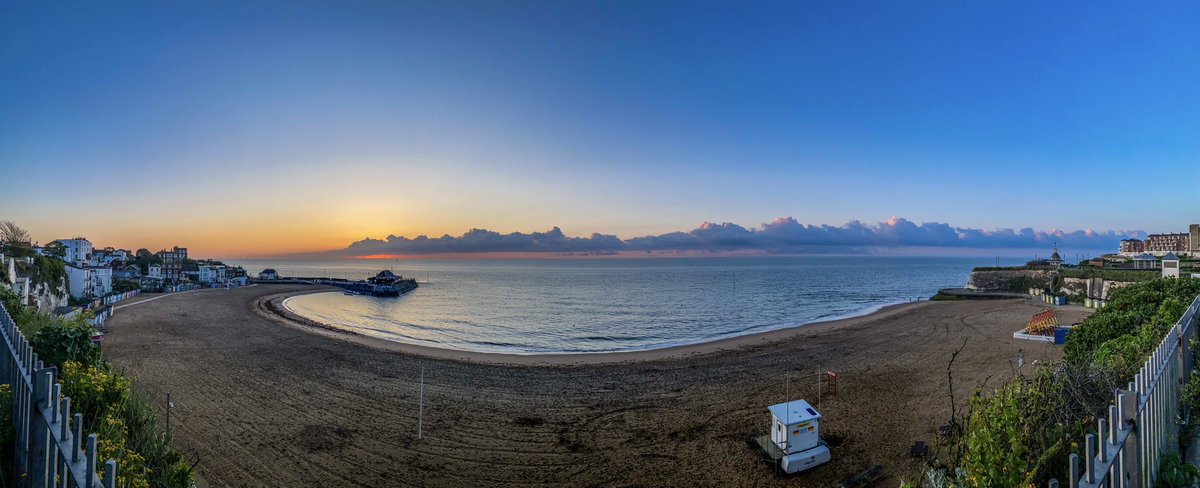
x=384, y=284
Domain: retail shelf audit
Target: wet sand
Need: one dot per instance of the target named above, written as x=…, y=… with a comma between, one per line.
x=266, y=400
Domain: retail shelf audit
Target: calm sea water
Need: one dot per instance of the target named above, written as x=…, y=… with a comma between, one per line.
x=605, y=305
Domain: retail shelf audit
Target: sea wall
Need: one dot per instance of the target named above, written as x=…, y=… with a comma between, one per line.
x=1011, y=280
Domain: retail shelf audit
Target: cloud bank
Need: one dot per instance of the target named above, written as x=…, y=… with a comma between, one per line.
x=782, y=236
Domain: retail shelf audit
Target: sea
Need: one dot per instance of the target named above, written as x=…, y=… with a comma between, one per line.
x=598, y=305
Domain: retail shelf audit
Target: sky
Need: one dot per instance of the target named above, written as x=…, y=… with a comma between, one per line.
x=244, y=129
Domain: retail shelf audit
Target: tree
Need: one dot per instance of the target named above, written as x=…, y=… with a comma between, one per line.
x=12, y=233
x=55, y=250
x=144, y=258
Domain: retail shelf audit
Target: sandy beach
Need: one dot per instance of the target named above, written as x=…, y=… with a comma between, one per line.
x=264, y=398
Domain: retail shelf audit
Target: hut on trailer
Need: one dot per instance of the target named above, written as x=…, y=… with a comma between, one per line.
x=795, y=430
x=1170, y=265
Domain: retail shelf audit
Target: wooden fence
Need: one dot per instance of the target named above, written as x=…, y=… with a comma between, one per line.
x=50, y=450
x=1143, y=423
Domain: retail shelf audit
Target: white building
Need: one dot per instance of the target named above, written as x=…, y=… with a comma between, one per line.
x=130, y=272
x=1170, y=265
x=154, y=271
x=268, y=274
x=89, y=281
x=79, y=251
x=211, y=274
x=109, y=255
x=20, y=285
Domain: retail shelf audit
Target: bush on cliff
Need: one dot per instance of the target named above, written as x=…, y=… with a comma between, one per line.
x=66, y=340
x=1022, y=434
x=1136, y=319
x=1110, y=274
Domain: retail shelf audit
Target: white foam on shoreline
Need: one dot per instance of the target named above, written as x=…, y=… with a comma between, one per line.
x=868, y=310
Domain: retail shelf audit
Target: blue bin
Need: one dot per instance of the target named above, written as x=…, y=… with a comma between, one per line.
x=1060, y=335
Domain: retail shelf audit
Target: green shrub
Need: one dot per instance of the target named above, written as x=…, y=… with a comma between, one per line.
x=945, y=298
x=996, y=449
x=1189, y=403
x=1110, y=274
x=8, y=435
x=1022, y=434
x=66, y=340
x=122, y=286
x=1174, y=473
x=1147, y=309
x=50, y=271
x=101, y=396
x=167, y=468
x=125, y=422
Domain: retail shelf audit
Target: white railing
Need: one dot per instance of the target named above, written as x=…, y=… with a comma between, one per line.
x=1143, y=423
x=49, y=448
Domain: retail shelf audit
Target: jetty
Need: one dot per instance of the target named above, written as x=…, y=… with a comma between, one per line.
x=383, y=284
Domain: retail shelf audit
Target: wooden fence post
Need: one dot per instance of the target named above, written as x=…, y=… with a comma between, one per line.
x=39, y=431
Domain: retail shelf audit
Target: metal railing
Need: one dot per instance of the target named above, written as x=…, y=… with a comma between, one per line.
x=49, y=448
x=1143, y=423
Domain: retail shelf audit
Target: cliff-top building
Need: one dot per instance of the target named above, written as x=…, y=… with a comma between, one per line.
x=172, y=262
x=78, y=251
x=1132, y=247
x=1055, y=260
x=1161, y=244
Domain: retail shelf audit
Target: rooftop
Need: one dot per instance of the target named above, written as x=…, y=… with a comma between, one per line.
x=794, y=411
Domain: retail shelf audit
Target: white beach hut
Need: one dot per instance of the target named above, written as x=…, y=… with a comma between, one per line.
x=1170, y=265
x=796, y=430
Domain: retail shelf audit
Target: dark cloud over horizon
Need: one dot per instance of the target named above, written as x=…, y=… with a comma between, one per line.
x=782, y=236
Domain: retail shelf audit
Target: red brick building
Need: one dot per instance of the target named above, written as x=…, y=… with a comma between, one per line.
x=1161, y=244
x=1132, y=246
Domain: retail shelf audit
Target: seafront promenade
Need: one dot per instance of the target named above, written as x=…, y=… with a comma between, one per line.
x=263, y=403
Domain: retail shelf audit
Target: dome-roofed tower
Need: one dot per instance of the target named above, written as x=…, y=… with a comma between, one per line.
x=1055, y=260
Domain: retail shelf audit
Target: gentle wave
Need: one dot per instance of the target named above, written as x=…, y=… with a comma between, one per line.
x=599, y=306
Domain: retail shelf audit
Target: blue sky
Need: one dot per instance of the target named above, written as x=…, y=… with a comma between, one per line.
x=304, y=126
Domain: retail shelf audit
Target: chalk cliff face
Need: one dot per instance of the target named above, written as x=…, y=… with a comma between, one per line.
x=45, y=298
x=1012, y=280
x=33, y=292
x=1093, y=287
x=41, y=296
x=1021, y=280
